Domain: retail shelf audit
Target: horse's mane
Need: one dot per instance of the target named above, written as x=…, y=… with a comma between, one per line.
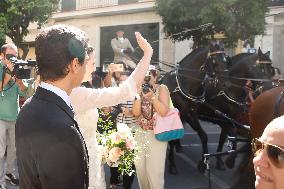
x=193, y=54
x=240, y=56
x=243, y=62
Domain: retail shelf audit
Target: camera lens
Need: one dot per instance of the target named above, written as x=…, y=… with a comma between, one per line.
x=146, y=88
x=9, y=56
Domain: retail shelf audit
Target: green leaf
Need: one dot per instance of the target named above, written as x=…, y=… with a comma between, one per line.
x=236, y=19
x=16, y=15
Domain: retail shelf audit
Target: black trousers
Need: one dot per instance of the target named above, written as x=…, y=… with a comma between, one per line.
x=127, y=180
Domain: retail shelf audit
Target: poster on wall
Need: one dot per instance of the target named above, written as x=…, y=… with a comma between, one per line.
x=115, y=38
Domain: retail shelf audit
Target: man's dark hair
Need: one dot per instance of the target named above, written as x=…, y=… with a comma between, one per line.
x=56, y=47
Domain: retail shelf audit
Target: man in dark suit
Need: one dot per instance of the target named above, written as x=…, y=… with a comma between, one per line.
x=50, y=149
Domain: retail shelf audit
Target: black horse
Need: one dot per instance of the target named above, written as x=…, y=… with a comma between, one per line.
x=203, y=88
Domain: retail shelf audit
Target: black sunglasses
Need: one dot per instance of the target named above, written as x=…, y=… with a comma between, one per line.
x=274, y=152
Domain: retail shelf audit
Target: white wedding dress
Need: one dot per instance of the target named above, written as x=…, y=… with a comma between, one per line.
x=85, y=103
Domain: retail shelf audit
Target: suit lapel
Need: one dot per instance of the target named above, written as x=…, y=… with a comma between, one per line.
x=51, y=97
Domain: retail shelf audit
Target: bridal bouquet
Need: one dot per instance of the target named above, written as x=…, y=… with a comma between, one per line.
x=119, y=148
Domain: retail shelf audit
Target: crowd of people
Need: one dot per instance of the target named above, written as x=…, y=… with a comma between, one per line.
x=54, y=135
x=43, y=140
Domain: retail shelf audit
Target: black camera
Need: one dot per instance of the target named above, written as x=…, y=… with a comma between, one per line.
x=22, y=69
x=116, y=110
x=146, y=88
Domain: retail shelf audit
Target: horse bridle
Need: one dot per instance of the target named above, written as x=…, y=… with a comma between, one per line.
x=198, y=99
x=263, y=62
x=215, y=52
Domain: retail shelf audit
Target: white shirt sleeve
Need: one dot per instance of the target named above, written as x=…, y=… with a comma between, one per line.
x=83, y=99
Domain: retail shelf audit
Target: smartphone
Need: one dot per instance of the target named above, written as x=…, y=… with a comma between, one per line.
x=105, y=67
x=117, y=67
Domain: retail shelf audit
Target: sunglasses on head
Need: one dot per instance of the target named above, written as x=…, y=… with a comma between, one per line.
x=274, y=153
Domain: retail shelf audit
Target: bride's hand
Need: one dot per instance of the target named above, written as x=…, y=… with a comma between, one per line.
x=143, y=44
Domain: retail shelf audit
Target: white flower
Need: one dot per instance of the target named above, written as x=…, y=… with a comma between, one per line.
x=115, y=137
x=124, y=131
x=104, y=140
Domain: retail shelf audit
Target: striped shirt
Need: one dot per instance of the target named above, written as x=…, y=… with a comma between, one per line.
x=126, y=119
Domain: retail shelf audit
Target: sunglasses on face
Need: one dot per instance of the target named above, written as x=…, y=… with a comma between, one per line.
x=274, y=153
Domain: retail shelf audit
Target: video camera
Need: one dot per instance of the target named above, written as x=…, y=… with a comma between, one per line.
x=22, y=69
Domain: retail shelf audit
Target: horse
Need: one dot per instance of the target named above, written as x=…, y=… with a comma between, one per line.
x=199, y=86
x=267, y=106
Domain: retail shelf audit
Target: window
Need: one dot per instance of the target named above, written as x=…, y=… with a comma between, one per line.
x=68, y=5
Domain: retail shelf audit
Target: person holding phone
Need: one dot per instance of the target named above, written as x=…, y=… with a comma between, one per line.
x=151, y=156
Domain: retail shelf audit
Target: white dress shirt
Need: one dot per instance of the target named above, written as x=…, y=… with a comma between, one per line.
x=59, y=92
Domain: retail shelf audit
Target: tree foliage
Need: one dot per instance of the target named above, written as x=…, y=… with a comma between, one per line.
x=236, y=19
x=16, y=15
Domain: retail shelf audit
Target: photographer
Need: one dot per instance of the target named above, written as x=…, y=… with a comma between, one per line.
x=150, y=163
x=10, y=89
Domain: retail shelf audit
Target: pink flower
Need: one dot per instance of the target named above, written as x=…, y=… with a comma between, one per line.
x=114, y=154
x=115, y=137
x=130, y=144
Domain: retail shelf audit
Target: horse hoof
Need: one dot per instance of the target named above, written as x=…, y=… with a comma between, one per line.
x=230, y=162
x=201, y=166
x=220, y=165
x=173, y=170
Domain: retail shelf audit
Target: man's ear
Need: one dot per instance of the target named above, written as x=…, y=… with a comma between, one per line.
x=74, y=66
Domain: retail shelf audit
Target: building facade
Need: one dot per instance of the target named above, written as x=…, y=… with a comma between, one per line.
x=273, y=39
x=100, y=19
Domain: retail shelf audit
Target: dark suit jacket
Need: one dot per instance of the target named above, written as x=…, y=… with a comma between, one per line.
x=51, y=152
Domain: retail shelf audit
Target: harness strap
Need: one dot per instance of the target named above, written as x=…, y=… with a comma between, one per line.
x=199, y=99
x=215, y=52
x=263, y=62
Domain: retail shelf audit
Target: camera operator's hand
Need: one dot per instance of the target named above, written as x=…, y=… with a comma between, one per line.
x=9, y=65
x=148, y=95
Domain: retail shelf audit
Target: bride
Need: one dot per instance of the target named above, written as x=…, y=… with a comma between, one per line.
x=86, y=101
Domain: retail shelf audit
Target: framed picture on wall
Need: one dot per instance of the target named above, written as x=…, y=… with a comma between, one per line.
x=148, y=30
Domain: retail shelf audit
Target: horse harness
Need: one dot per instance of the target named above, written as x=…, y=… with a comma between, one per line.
x=201, y=98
